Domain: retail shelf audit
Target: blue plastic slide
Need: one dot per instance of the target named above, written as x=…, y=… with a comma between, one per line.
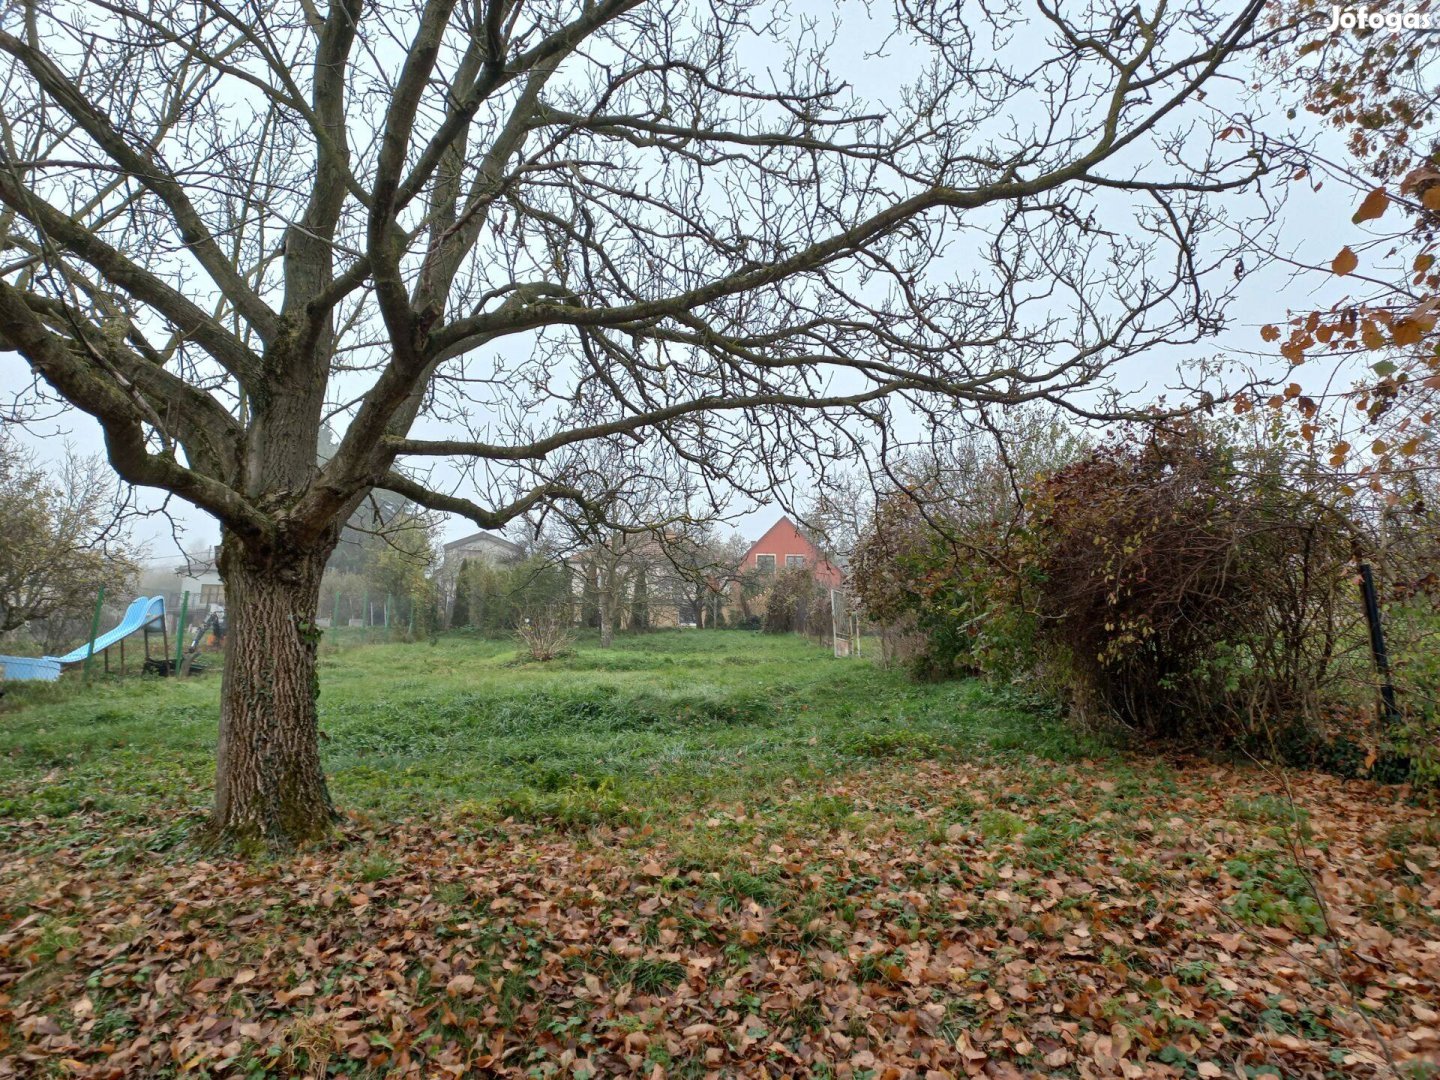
x=142, y=612
x=32, y=668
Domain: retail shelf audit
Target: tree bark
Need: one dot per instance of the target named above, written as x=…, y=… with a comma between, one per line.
x=268, y=782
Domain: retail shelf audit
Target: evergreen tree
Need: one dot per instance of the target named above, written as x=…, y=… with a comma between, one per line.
x=589, y=599
x=490, y=602
x=460, y=610
x=640, y=602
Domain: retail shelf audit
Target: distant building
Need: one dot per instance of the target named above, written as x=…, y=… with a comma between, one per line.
x=487, y=546
x=785, y=547
x=200, y=577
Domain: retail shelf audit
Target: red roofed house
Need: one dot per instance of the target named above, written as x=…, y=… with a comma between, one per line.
x=784, y=547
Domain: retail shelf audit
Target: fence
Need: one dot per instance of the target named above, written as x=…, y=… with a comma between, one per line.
x=844, y=623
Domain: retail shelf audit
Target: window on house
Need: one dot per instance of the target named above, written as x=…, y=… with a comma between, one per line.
x=794, y=560
x=765, y=563
x=212, y=595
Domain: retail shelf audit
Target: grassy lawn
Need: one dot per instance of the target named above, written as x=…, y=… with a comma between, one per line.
x=698, y=853
x=656, y=723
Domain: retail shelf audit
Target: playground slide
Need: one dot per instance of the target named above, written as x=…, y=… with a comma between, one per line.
x=142, y=612
x=31, y=668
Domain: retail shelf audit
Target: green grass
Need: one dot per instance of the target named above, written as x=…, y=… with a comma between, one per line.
x=797, y=820
x=658, y=721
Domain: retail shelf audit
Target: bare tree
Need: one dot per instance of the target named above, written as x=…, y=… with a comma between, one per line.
x=626, y=538
x=704, y=570
x=612, y=564
x=533, y=226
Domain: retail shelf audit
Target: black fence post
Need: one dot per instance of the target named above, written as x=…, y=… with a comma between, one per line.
x=1377, y=642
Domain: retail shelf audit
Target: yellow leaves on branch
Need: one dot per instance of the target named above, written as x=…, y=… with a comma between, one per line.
x=1423, y=182
x=1352, y=328
x=1345, y=262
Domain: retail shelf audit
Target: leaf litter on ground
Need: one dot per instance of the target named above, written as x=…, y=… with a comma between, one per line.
x=909, y=919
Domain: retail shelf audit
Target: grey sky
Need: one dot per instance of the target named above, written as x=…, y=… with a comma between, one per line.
x=1314, y=225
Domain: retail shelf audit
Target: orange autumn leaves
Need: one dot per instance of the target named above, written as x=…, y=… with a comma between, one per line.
x=1397, y=399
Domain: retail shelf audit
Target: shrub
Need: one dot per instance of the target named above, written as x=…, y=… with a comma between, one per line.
x=937, y=566
x=495, y=598
x=939, y=583
x=797, y=604
x=546, y=634
x=1192, y=579
x=1411, y=744
x=1187, y=584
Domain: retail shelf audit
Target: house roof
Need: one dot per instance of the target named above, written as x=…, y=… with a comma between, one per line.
x=488, y=538
x=783, y=520
x=825, y=568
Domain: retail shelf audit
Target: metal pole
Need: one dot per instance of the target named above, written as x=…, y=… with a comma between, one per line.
x=335, y=615
x=388, y=599
x=180, y=629
x=1377, y=641
x=90, y=653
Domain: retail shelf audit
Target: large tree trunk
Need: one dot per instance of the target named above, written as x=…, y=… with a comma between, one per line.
x=268, y=781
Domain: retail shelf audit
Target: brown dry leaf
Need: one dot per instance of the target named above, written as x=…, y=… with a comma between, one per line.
x=1373, y=206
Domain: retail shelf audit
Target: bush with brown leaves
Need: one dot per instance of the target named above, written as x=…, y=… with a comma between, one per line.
x=1189, y=583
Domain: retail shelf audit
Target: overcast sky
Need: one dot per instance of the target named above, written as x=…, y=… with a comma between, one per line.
x=1314, y=226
